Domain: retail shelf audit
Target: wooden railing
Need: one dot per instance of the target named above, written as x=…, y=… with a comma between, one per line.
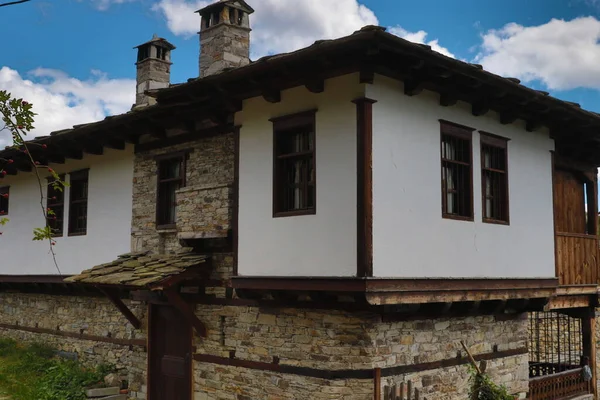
x=576, y=258
x=558, y=386
x=403, y=391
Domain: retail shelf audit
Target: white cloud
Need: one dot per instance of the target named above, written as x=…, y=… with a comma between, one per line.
x=279, y=25
x=420, y=37
x=104, y=5
x=62, y=101
x=563, y=55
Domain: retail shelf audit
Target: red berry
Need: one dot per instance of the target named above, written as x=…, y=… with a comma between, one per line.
x=3, y=172
x=25, y=103
x=10, y=161
x=20, y=126
x=37, y=163
x=44, y=146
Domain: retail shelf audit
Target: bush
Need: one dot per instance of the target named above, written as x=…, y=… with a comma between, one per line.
x=34, y=372
x=482, y=388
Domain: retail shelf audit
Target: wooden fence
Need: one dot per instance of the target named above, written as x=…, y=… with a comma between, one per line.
x=402, y=391
x=558, y=386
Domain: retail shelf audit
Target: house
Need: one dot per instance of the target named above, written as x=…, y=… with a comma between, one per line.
x=315, y=225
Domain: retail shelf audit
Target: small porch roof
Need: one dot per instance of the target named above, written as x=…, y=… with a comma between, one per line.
x=143, y=270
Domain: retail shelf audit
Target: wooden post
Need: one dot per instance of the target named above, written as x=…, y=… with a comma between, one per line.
x=364, y=188
x=588, y=328
x=377, y=383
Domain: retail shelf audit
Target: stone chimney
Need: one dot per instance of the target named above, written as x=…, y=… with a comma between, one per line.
x=153, y=68
x=224, y=36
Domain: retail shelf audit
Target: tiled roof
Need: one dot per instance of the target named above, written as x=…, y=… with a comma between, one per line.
x=140, y=269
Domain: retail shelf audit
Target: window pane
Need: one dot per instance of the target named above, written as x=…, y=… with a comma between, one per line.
x=294, y=182
x=169, y=169
x=456, y=176
x=4, y=200
x=494, y=182
x=78, y=203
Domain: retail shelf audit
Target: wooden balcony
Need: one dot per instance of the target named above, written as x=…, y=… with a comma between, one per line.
x=562, y=385
x=576, y=259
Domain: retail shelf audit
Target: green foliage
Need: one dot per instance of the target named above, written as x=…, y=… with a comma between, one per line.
x=483, y=388
x=33, y=372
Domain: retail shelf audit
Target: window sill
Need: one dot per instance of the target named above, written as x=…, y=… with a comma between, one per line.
x=77, y=234
x=495, y=221
x=457, y=217
x=169, y=228
x=294, y=213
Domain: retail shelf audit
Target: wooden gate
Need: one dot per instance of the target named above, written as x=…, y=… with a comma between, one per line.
x=169, y=355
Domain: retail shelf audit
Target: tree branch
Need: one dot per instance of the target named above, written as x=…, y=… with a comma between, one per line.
x=12, y=3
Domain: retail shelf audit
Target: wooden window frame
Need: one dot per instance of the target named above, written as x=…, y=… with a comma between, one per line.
x=490, y=139
x=59, y=204
x=462, y=132
x=182, y=156
x=280, y=125
x=79, y=175
x=4, y=190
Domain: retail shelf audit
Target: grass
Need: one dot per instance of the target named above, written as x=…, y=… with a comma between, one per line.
x=32, y=371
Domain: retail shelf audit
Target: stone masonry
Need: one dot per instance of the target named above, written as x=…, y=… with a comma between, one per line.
x=209, y=176
x=95, y=316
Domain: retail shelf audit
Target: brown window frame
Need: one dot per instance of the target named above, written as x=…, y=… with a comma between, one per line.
x=181, y=157
x=74, y=177
x=281, y=126
x=459, y=132
x=57, y=206
x=487, y=139
x=4, y=201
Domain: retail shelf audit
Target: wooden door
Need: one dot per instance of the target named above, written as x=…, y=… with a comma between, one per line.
x=170, y=354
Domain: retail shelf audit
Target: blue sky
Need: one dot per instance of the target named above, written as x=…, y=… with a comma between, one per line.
x=74, y=59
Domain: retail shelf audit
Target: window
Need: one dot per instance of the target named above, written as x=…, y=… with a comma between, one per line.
x=55, y=202
x=294, y=180
x=4, y=194
x=457, y=176
x=494, y=178
x=78, y=202
x=171, y=176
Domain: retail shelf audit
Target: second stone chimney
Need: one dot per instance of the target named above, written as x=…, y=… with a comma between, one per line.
x=224, y=36
x=153, y=68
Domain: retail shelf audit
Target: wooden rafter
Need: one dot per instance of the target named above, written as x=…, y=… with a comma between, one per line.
x=122, y=307
x=186, y=309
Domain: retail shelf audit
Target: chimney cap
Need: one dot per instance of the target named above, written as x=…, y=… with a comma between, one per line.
x=158, y=41
x=239, y=4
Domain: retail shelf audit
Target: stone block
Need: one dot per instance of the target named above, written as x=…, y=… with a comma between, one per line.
x=102, y=392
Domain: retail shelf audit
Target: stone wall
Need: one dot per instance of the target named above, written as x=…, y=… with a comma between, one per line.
x=204, y=211
x=335, y=340
x=88, y=315
x=210, y=164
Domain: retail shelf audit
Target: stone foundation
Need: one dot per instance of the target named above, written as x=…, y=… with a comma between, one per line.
x=92, y=316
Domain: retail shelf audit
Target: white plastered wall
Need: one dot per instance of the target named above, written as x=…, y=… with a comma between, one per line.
x=410, y=237
x=108, y=224
x=310, y=245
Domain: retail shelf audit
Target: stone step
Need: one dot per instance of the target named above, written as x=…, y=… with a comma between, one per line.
x=102, y=392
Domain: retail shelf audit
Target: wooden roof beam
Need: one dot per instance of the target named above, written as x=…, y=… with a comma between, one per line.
x=479, y=108
x=447, y=99
x=412, y=87
x=316, y=85
x=122, y=307
x=271, y=95
x=508, y=117
x=93, y=148
x=532, y=125
x=175, y=299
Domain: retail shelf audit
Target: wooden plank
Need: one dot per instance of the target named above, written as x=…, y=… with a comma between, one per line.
x=562, y=302
x=353, y=373
x=377, y=383
x=236, y=198
x=388, y=298
x=76, y=335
